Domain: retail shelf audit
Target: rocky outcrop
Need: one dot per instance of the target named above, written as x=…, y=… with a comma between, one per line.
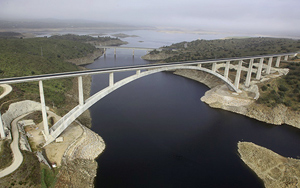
x=244, y=103
x=77, y=173
x=275, y=170
x=79, y=167
x=89, y=146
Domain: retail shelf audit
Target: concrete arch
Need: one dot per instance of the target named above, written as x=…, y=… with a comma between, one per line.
x=71, y=116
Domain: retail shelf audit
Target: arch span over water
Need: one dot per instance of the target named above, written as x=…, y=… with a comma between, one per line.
x=71, y=116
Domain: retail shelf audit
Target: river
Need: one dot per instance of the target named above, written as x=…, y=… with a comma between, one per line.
x=159, y=134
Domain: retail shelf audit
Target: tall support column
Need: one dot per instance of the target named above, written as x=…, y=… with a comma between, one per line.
x=260, y=65
x=214, y=67
x=44, y=112
x=269, y=65
x=132, y=52
x=104, y=51
x=111, y=79
x=115, y=51
x=199, y=65
x=278, y=61
x=2, y=133
x=238, y=74
x=138, y=72
x=286, y=57
x=226, y=69
x=249, y=73
x=80, y=91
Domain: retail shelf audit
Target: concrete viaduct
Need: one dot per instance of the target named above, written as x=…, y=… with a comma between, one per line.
x=254, y=64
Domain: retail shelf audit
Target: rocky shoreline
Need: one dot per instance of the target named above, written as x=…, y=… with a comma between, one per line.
x=242, y=103
x=79, y=167
x=275, y=170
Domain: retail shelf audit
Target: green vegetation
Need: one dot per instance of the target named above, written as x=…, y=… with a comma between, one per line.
x=211, y=49
x=284, y=90
x=1, y=90
x=34, y=56
x=27, y=175
x=48, y=177
x=5, y=154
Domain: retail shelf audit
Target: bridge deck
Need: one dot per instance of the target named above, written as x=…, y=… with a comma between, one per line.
x=127, y=68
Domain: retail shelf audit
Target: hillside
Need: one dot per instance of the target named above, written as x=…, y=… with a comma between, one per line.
x=214, y=49
x=34, y=56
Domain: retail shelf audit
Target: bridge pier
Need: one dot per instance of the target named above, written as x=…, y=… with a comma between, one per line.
x=238, y=75
x=104, y=51
x=249, y=73
x=80, y=91
x=138, y=72
x=269, y=65
x=133, y=52
x=259, y=69
x=278, y=61
x=226, y=69
x=199, y=65
x=286, y=57
x=115, y=52
x=2, y=132
x=111, y=79
x=214, y=67
x=44, y=112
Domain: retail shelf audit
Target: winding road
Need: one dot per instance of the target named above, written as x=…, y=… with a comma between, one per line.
x=17, y=155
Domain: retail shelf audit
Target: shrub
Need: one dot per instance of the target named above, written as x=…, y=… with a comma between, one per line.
x=264, y=88
x=282, y=88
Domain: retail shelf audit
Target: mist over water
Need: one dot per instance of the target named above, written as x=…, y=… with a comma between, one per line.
x=159, y=134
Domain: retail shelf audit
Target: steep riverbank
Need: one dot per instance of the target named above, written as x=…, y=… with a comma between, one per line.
x=242, y=103
x=88, y=59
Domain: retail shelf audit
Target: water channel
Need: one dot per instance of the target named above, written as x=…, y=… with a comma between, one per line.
x=159, y=134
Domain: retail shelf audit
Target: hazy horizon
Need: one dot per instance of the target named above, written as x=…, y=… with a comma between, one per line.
x=266, y=17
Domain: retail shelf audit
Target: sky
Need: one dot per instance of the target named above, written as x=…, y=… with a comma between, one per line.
x=265, y=16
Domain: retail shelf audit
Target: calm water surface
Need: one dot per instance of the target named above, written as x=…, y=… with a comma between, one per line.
x=159, y=134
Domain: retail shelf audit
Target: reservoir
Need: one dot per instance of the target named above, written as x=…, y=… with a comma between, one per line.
x=159, y=134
